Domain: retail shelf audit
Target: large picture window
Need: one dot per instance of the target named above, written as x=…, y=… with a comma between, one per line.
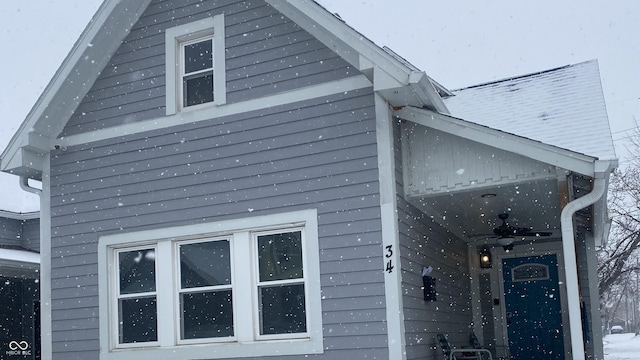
x=195, y=64
x=234, y=288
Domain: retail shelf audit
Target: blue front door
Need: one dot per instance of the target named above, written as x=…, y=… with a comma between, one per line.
x=533, y=309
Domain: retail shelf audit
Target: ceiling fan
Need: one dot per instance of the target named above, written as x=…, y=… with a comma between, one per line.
x=506, y=233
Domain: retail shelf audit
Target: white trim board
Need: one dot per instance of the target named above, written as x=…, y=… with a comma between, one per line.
x=396, y=339
x=188, y=117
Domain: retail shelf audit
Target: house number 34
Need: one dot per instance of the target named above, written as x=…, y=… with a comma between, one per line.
x=388, y=255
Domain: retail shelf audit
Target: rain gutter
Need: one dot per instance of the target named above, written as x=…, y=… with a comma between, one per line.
x=601, y=172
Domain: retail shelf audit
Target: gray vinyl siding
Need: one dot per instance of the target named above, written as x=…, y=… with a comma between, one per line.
x=423, y=242
x=31, y=234
x=10, y=232
x=266, y=54
x=314, y=154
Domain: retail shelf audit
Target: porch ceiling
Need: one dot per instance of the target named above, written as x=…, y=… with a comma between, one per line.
x=473, y=214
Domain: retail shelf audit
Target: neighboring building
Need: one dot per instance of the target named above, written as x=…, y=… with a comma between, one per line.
x=19, y=285
x=246, y=179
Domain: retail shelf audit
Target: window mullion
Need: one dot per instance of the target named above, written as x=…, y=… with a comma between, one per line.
x=243, y=298
x=166, y=298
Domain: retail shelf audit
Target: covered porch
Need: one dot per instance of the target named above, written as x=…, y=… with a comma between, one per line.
x=508, y=227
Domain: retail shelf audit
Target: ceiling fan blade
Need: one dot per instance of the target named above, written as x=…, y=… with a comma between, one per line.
x=536, y=233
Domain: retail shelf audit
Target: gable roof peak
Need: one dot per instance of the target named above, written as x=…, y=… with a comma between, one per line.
x=394, y=79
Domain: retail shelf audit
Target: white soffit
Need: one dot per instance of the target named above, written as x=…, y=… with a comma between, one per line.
x=532, y=149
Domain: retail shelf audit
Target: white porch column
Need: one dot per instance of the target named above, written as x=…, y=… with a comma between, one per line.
x=390, y=237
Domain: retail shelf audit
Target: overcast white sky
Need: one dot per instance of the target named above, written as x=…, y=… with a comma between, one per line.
x=458, y=43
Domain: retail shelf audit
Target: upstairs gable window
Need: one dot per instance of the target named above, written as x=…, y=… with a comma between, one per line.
x=195, y=65
x=197, y=72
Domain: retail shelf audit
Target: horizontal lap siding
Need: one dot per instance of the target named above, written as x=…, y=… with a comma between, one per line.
x=314, y=154
x=10, y=231
x=265, y=54
x=31, y=234
x=423, y=242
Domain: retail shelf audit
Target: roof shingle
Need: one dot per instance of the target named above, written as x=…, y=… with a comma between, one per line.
x=563, y=107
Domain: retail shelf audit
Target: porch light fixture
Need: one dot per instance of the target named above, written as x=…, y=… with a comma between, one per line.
x=485, y=258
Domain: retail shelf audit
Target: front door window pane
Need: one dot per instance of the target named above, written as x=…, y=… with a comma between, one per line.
x=207, y=315
x=282, y=310
x=138, y=320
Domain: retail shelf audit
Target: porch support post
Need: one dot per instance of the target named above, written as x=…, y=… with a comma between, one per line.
x=569, y=252
x=390, y=234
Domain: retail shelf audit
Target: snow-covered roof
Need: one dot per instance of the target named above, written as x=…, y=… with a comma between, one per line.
x=563, y=107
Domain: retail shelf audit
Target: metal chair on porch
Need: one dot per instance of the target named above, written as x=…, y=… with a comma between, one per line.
x=473, y=353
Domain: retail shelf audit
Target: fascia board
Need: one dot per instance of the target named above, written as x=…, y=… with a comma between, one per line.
x=601, y=221
x=566, y=159
x=424, y=88
x=17, y=257
x=76, y=74
x=20, y=216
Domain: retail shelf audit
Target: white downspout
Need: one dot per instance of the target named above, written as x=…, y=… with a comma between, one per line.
x=569, y=251
x=24, y=185
x=46, y=345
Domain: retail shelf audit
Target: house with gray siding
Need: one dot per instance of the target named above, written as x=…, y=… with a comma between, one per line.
x=256, y=179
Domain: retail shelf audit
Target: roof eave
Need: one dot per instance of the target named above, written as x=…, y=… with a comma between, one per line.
x=71, y=82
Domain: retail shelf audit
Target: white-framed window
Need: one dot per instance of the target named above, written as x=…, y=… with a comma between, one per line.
x=136, y=295
x=280, y=284
x=233, y=288
x=205, y=290
x=195, y=65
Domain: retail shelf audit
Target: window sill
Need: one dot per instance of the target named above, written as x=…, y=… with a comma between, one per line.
x=219, y=350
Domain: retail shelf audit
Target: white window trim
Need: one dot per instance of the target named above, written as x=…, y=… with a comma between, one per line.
x=173, y=84
x=245, y=343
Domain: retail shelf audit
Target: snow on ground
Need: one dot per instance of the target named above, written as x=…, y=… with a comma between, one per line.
x=622, y=347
